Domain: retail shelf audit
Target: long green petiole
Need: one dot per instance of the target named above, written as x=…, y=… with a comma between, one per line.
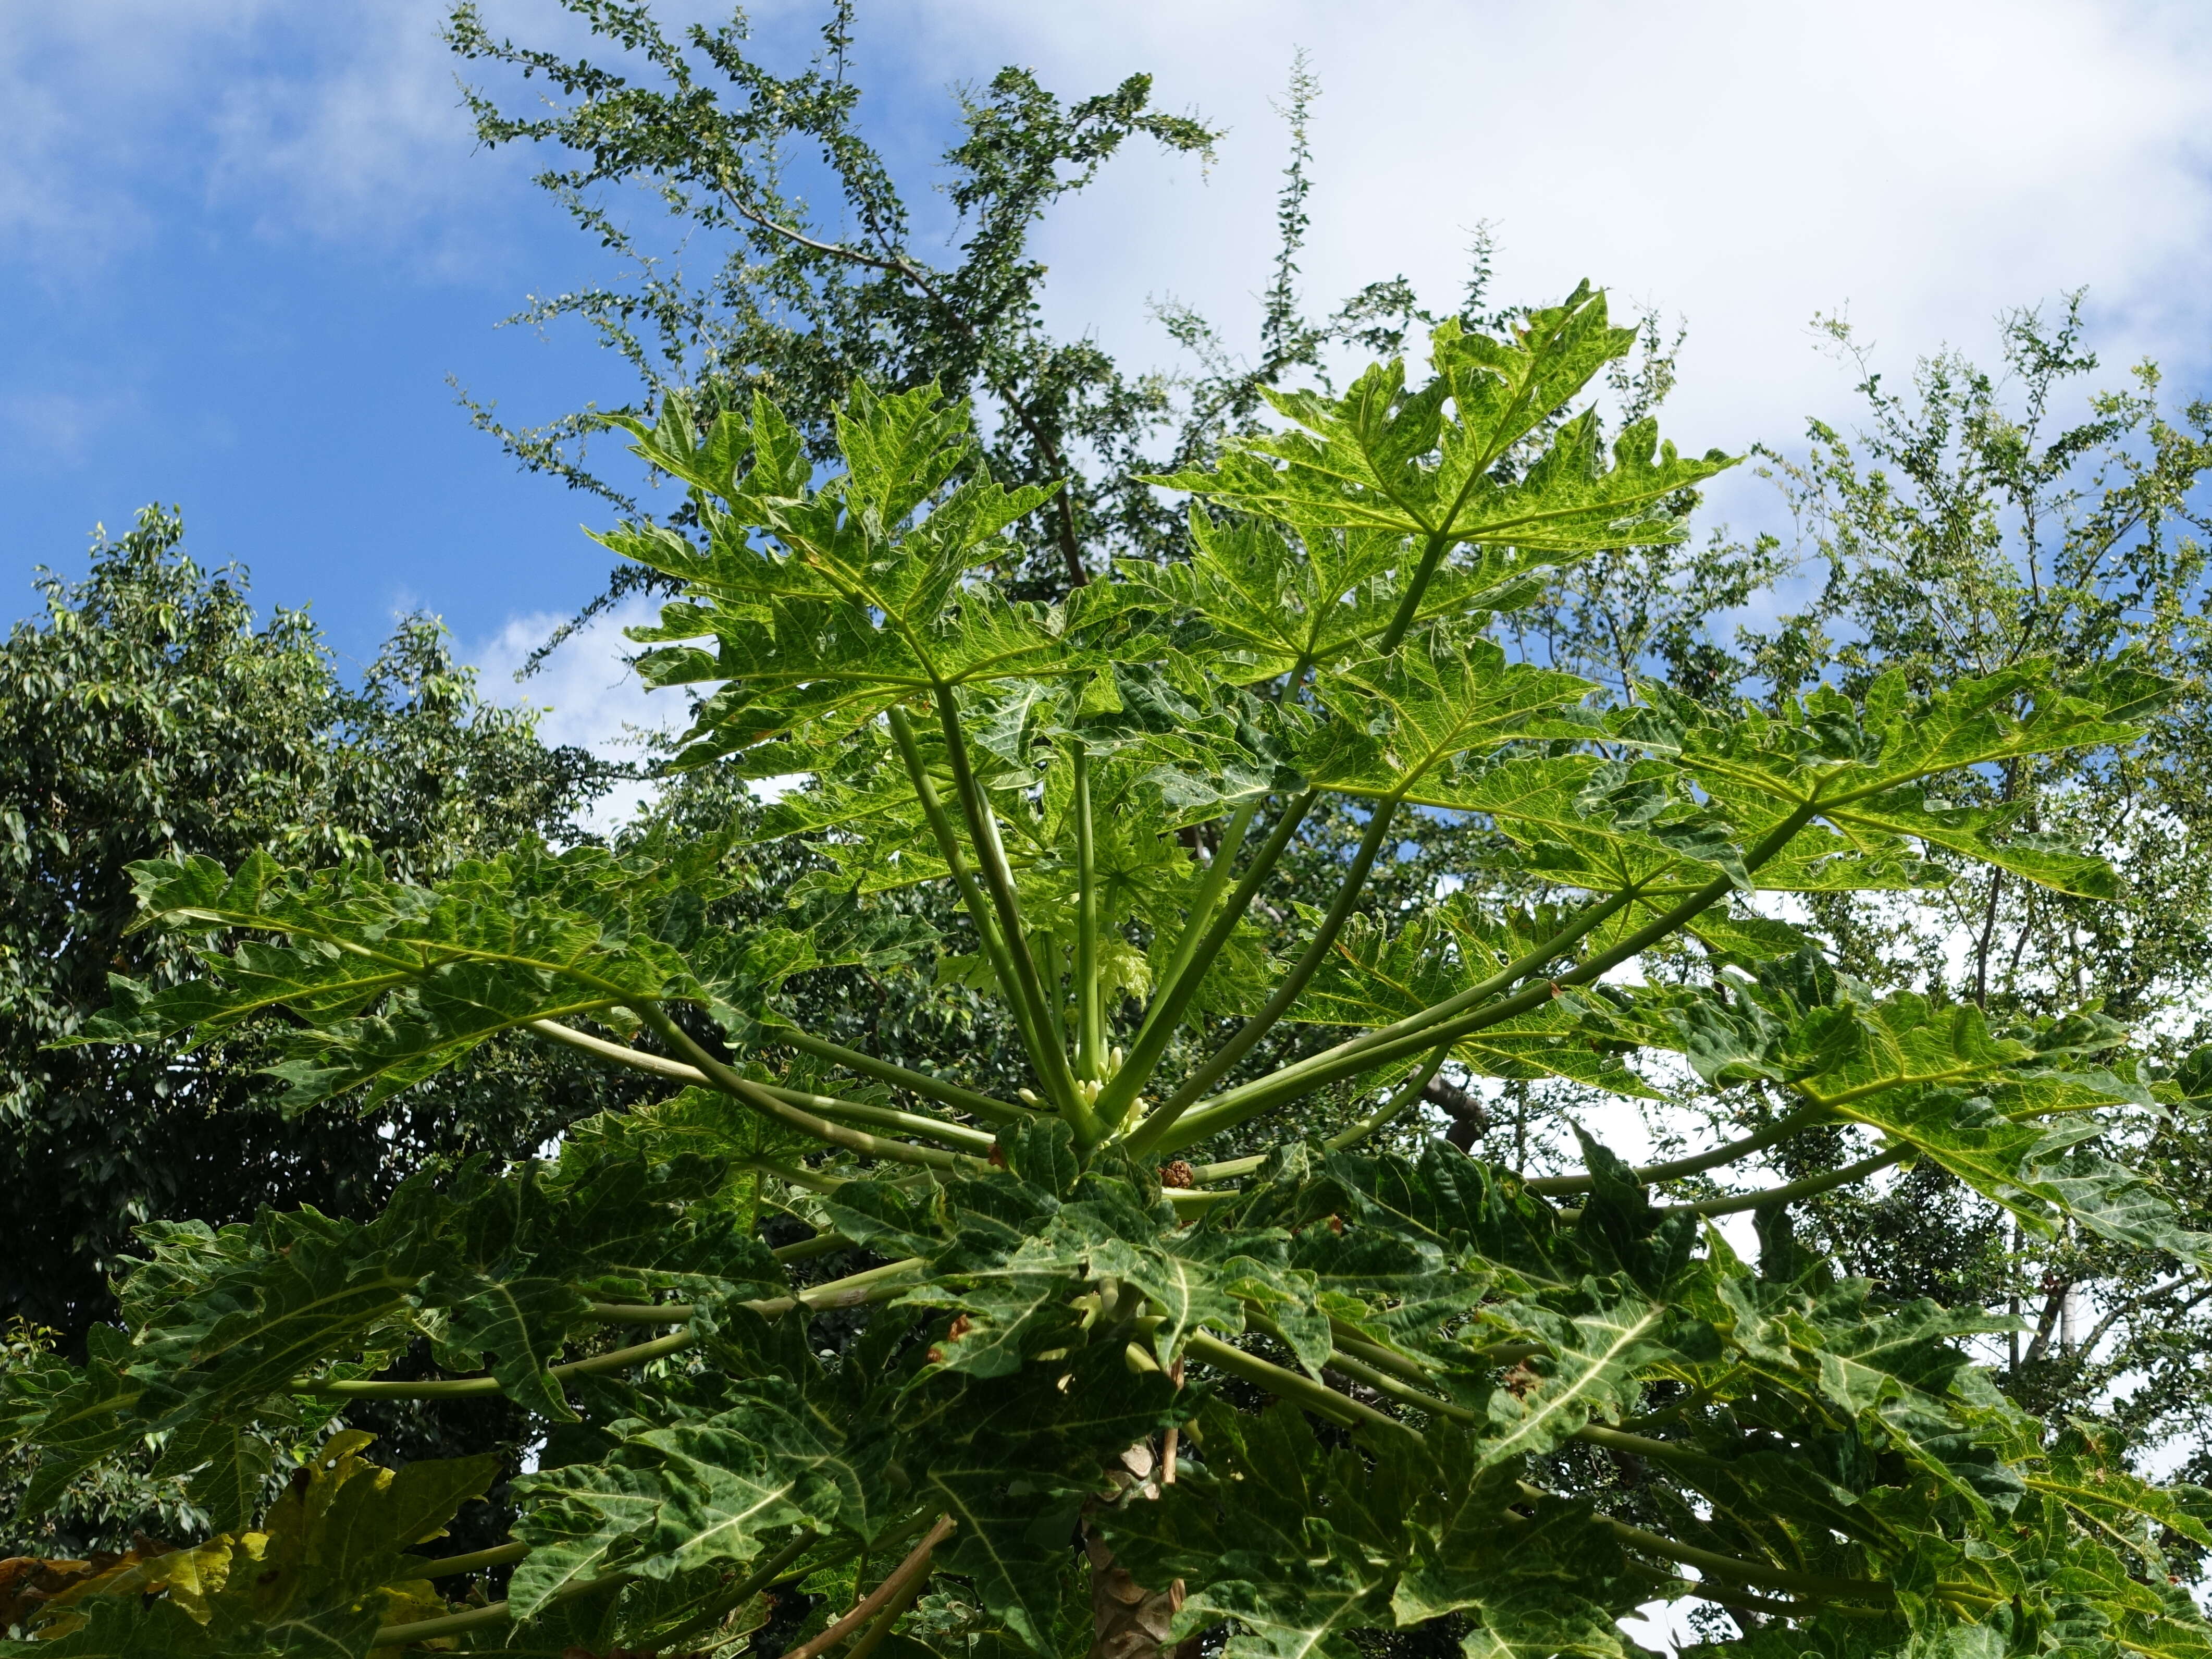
x=1234, y=1106
x=1805, y=1187
x=1024, y=999
x=806, y=1180
x=1169, y=1005
x=1382, y=1117
x=1217, y=1065
x=1287, y=1384
x=1090, y=1010
x=753, y=1095
x=643, y=1313
x=957, y=1135
x=469, y=1388
x=986, y=1107
x=1393, y=1108
x=1341, y=1060
x=1529, y=963
x=1201, y=913
x=997, y=880
x=916, y=1082
x=1326, y=1403
x=497, y=1612
x=1432, y=554
x=1791, y=1123
x=451, y=1566
x=857, y=1290
x=1387, y=1382
x=1334, y=1060
x=1749, y=1572
x=760, y=1578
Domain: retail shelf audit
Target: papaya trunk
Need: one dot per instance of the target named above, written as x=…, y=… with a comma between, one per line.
x=1127, y=1620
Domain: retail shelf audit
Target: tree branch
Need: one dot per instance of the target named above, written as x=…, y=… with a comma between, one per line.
x=2121, y=1310
x=908, y=1571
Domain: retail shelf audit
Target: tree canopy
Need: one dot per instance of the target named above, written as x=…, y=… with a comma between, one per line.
x=1964, y=522
x=146, y=716
x=1088, y=1391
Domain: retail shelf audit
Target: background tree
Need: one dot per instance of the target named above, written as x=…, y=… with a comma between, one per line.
x=1977, y=520
x=148, y=715
x=801, y=273
x=803, y=313
x=1983, y=519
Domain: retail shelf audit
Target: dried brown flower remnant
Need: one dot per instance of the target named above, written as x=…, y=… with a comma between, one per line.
x=960, y=1327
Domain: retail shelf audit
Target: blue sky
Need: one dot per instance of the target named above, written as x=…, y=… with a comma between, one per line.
x=244, y=242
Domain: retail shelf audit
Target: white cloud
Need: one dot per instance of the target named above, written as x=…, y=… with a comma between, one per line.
x=369, y=140
x=342, y=121
x=588, y=695
x=1741, y=166
x=64, y=425
x=1924, y=166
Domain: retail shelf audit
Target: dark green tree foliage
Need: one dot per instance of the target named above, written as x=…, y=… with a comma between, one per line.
x=147, y=715
x=1064, y=1388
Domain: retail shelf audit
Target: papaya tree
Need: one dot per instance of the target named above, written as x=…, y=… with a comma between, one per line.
x=1163, y=1346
